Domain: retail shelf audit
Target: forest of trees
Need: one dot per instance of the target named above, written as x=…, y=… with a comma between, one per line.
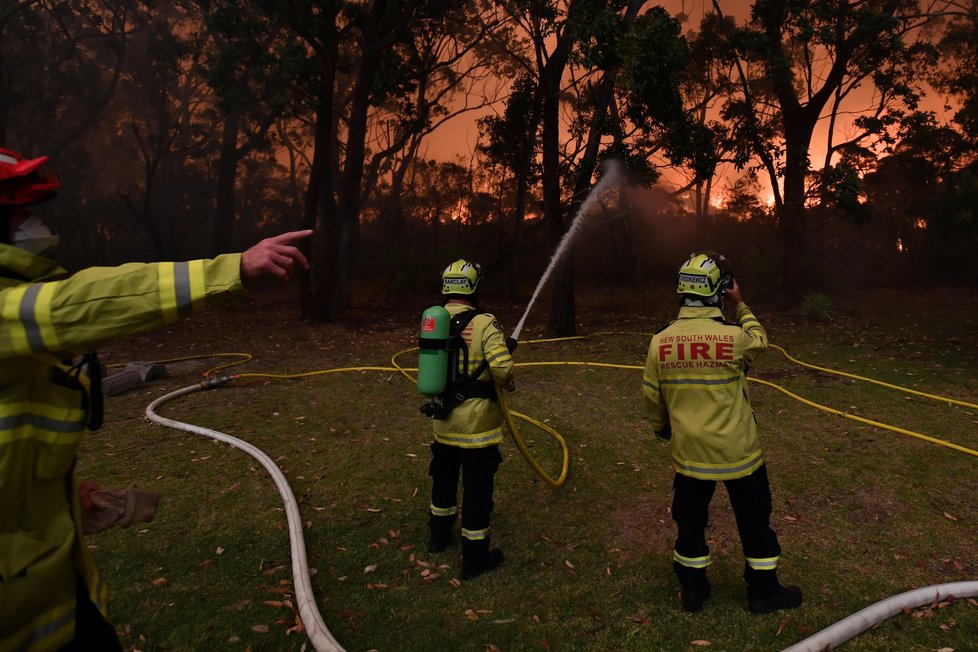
x=835, y=140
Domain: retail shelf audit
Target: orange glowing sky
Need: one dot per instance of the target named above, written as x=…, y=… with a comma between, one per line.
x=459, y=136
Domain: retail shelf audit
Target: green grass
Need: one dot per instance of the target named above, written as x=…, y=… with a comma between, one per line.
x=862, y=513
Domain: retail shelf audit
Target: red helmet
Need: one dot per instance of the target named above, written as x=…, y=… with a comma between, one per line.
x=24, y=182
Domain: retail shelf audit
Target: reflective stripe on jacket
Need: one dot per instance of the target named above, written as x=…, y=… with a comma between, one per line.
x=478, y=422
x=43, y=415
x=695, y=385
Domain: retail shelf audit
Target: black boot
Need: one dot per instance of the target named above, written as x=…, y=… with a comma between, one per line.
x=696, y=589
x=477, y=558
x=440, y=528
x=765, y=594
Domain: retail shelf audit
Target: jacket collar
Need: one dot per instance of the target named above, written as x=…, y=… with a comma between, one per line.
x=697, y=312
x=18, y=267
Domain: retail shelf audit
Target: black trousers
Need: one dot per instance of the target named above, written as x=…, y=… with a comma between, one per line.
x=750, y=498
x=477, y=467
x=92, y=631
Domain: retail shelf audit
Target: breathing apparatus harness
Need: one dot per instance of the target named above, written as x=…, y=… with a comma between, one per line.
x=459, y=385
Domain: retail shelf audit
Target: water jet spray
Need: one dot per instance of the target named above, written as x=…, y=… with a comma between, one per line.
x=612, y=172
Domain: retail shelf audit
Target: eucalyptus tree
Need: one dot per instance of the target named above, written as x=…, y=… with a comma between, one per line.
x=958, y=76
x=512, y=145
x=386, y=72
x=60, y=63
x=255, y=68
x=161, y=109
x=608, y=75
x=801, y=62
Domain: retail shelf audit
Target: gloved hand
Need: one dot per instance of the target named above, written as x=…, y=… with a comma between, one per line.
x=665, y=434
x=511, y=344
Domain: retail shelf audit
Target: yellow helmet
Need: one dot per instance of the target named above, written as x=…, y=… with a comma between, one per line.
x=704, y=274
x=461, y=277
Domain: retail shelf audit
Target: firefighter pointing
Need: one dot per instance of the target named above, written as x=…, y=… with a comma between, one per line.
x=463, y=356
x=51, y=596
x=695, y=387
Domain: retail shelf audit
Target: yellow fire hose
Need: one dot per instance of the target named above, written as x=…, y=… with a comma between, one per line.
x=517, y=438
x=319, y=634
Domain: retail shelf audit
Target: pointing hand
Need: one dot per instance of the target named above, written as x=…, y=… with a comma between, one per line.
x=276, y=256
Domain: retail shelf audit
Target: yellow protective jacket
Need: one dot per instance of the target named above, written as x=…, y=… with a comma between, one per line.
x=43, y=414
x=695, y=385
x=478, y=422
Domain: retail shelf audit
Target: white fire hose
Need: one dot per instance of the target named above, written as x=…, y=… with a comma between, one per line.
x=835, y=635
x=320, y=636
x=323, y=641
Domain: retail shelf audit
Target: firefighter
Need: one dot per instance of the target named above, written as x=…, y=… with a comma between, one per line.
x=467, y=439
x=695, y=388
x=51, y=596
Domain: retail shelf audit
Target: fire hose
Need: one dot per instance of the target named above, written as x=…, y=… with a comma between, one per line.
x=312, y=621
x=319, y=634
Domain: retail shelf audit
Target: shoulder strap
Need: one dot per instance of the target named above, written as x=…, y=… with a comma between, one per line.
x=461, y=320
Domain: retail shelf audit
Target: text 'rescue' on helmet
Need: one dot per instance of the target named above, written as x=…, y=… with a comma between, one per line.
x=704, y=274
x=24, y=182
x=461, y=277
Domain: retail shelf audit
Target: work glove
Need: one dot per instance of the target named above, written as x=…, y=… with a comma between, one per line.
x=665, y=434
x=103, y=508
x=511, y=344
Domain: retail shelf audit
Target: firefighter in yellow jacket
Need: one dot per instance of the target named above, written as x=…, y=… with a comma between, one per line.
x=468, y=433
x=51, y=596
x=695, y=387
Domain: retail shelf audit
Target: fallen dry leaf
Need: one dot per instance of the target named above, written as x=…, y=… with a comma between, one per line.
x=948, y=516
x=371, y=568
x=219, y=550
x=261, y=629
x=504, y=621
x=160, y=581
x=569, y=565
x=298, y=627
x=700, y=641
x=272, y=603
x=781, y=626
x=471, y=615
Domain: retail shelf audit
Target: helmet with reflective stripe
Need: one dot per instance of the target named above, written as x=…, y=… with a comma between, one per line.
x=461, y=277
x=704, y=274
x=24, y=182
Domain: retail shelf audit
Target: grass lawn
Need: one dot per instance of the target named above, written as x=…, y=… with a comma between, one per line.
x=862, y=513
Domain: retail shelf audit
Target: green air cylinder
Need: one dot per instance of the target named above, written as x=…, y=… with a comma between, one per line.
x=433, y=351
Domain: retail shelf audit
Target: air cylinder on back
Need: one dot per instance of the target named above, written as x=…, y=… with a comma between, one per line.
x=433, y=351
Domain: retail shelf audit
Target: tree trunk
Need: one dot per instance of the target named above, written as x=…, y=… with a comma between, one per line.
x=561, y=319
x=795, y=276
x=224, y=204
x=319, y=194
